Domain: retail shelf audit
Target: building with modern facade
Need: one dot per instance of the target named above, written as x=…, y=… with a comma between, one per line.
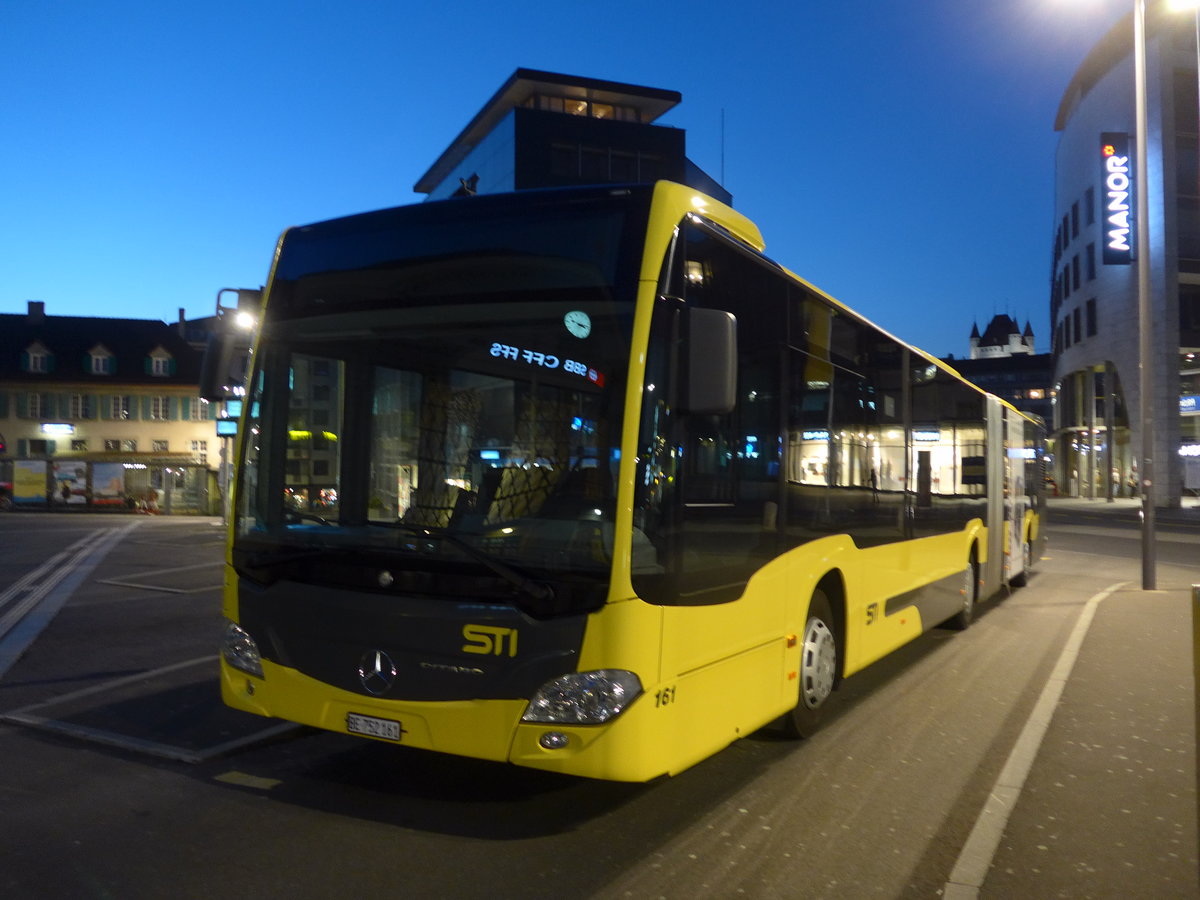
x=543, y=129
x=1094, y=296
x=103, y=412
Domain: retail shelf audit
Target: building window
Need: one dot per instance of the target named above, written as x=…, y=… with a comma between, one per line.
x=121, y=407
x=198, y=410
x=1089, y=206
x=200, y=450
x=1075, y=271
x=1091, y=262
x=1091, y=318
x=1076, y=320
x=159, y=446
x=129, y=446
x=160, y=408
x=101, y=363
x=1075, y=219
x=1066, y=282
x=79, y=446
x=37, y=359
x=81, y=407
x=111, y=445
x=160, y=365
x=39, y=447
x=38, y=406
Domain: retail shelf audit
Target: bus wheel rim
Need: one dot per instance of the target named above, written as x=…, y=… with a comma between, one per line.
x=819, y=664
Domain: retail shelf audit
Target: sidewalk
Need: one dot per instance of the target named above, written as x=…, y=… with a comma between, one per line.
x=1102, y=801
x=1108, y=808
x=1127, y=508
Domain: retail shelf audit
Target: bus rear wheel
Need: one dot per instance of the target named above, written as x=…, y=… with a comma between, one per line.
x=970, y=594
x=818, y=669
x=1022, y=578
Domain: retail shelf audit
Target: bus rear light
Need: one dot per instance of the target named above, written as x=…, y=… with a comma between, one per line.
x=584, y=698
x=240, y=650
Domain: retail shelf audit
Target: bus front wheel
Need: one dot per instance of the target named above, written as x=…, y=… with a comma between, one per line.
x=818, y=669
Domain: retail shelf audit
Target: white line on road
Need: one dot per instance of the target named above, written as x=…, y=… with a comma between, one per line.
x=26, y=617
x=966, y=879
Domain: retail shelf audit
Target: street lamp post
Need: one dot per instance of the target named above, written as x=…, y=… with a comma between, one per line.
x=1145, y=321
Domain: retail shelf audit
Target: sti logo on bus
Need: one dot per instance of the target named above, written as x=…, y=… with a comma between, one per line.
x=1118, y=194
x=489, y=640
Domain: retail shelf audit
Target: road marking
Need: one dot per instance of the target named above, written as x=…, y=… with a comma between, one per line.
x=125, y=582
x=241, y=779
x=38, y=596
x=27, y=715
x=969, y=872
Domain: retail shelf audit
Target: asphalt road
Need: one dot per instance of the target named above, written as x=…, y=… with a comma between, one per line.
x=122, y=777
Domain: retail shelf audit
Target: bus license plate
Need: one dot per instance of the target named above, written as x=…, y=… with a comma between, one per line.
x=387, y=729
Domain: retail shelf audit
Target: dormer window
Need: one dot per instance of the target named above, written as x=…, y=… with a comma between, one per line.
x=100, y=360
x=160, y=363
x=37, y=358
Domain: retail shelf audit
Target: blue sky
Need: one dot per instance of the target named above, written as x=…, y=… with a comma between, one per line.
x=897, y=153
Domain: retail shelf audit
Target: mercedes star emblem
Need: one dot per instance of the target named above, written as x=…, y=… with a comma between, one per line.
x=376, y=672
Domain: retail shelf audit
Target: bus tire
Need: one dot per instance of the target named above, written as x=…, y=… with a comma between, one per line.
x=1022, y=578
x=970, y=595
x=818, y=669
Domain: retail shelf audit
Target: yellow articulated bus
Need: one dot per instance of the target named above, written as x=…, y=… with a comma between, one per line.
x=582, y=481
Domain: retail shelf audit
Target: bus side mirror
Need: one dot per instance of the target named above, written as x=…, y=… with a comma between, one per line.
x=711, y=362
x=214, y=369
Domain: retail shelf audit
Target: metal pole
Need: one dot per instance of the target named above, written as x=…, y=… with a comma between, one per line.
x=1145, y=321
x=1110, y=432
x=1196, y=672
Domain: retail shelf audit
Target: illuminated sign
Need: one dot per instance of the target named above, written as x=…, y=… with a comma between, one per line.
x=815, y=435
x=490, y=455
x=1190, y=450
x=1118, y=196
x=1189, y=403
x=57, y=428
x=926, y=435
x=547, y=361
x=227, y=427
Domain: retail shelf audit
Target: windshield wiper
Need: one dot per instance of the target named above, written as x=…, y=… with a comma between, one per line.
x=539, y=591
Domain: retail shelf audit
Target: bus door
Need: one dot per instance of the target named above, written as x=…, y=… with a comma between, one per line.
x=1015, y=498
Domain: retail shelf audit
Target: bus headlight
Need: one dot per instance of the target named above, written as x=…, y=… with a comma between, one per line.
x=240, y=651
x=584, y=698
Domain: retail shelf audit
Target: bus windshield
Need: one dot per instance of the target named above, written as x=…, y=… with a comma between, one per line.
x=442, y=395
